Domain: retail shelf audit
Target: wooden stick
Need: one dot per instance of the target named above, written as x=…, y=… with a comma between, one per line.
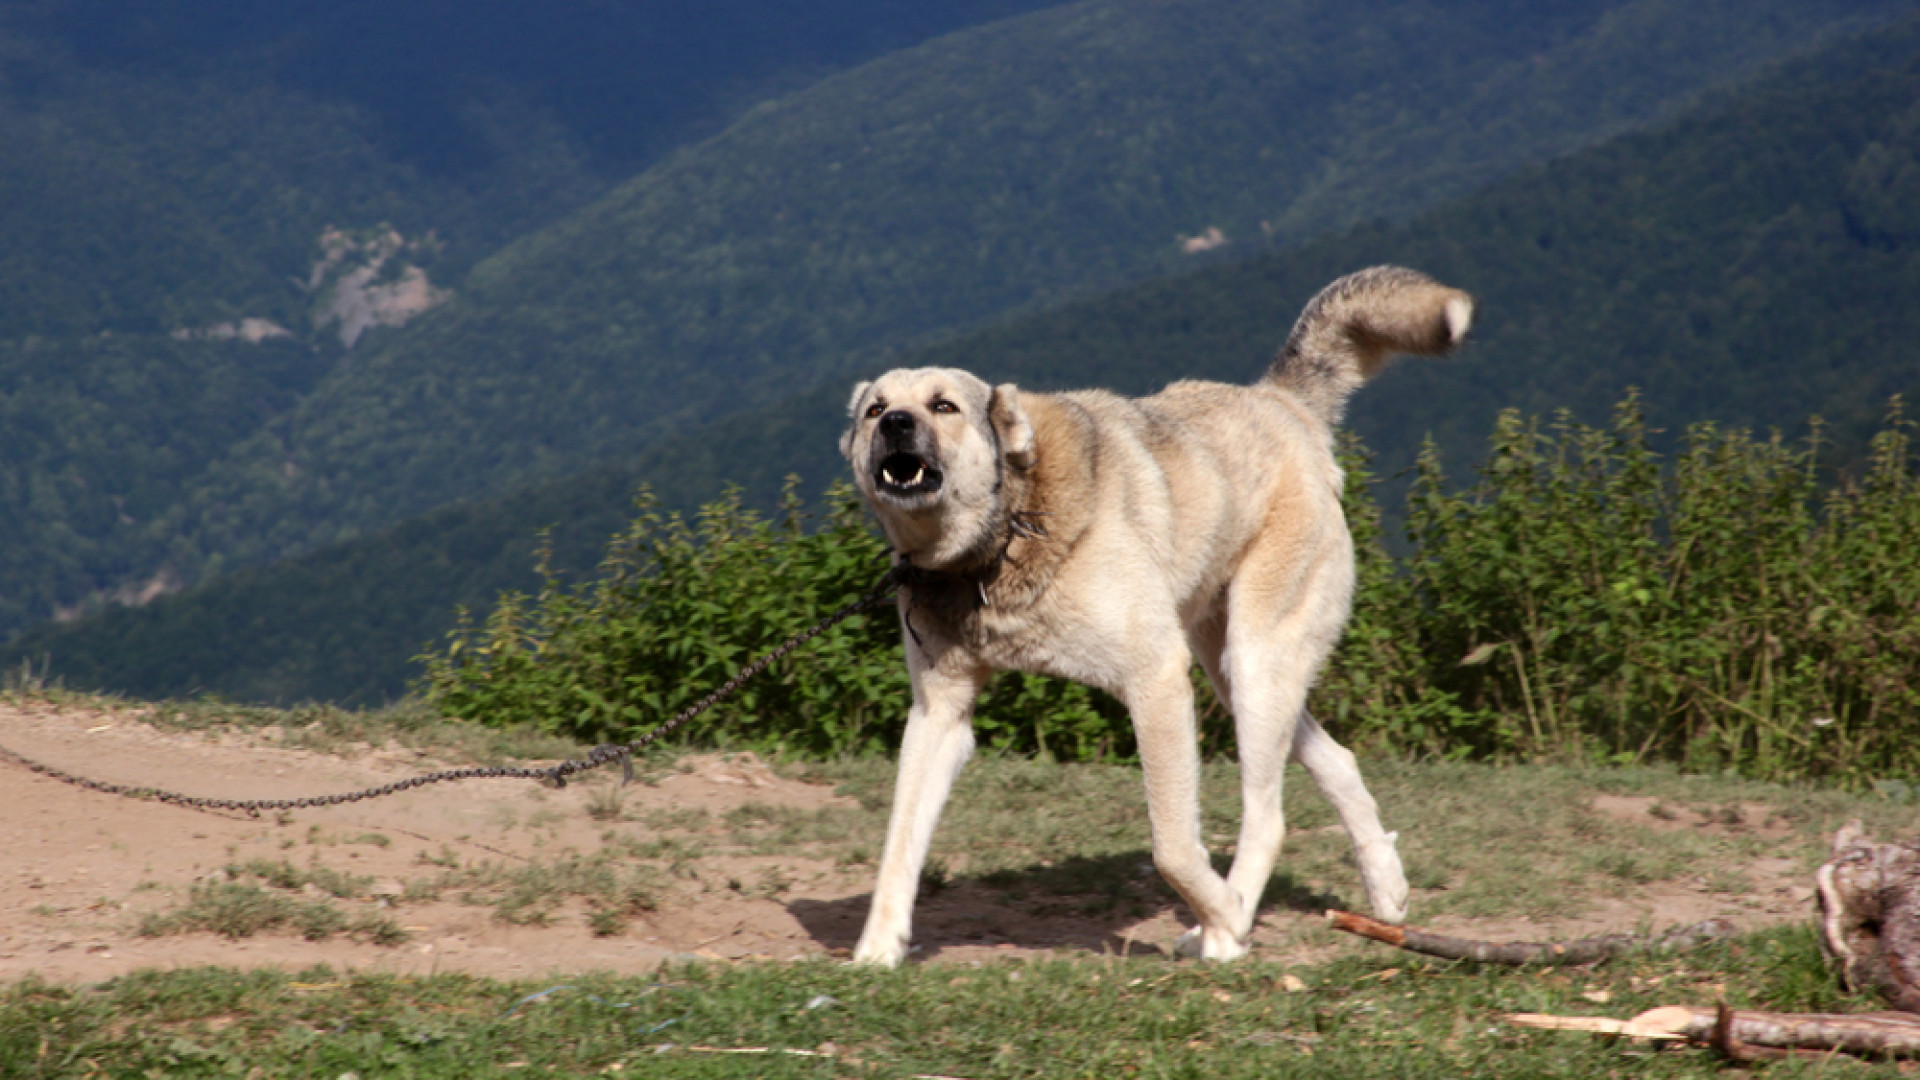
x=1750, y=1035
x=1583, y=951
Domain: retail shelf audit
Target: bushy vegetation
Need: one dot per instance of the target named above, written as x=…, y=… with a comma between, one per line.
x=1724, y=611
x=1582, y=600
x=680, y=606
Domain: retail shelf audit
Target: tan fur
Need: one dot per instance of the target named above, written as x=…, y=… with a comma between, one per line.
x=1117, y=542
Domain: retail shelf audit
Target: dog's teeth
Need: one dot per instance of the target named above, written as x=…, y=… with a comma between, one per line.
x=887, y=475
x=918, y=474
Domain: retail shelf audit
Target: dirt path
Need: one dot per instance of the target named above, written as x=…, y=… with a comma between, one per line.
x=80, y=869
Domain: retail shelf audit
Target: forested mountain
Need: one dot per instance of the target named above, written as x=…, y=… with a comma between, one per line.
x=204, y=203
x=943, y=186
x=1751, y=262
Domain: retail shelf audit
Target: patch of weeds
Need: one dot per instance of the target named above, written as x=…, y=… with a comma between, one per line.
x=678, y=818
x=285, y=875
x=1285, y=890
x=535, y=893
x=774, y=882
x=755, y=815
x=446, y=858
x=606, y=802
x=1796, y=975
x=1728, y=882
x=240, y=911
x=1426, y=875
x=1626, y=867
x=677, y=853
x=934, y=878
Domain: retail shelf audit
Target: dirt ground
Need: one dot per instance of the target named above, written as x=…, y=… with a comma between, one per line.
x=80, y=868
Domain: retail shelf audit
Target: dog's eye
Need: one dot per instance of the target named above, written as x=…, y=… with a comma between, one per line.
x=945, y=406
x=875, y=409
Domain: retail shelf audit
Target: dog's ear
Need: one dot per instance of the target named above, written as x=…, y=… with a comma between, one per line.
x=853, y=412
x=1011, y=425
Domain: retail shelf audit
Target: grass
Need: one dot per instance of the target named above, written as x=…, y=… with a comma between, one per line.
x=1377, y=1013
x=616, y=883
x=237, y=910
x=1478, y=840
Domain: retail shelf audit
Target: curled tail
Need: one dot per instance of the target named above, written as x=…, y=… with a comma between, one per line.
x=1355, y=325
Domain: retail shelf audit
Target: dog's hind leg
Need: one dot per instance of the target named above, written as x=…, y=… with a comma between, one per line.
x=938, y=740
x=1332, y=767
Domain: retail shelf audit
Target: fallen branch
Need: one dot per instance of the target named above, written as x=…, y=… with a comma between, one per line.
x=1583, y=951
x=1749, y=1035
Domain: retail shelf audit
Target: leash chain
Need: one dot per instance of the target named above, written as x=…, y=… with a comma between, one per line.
x=555, y=774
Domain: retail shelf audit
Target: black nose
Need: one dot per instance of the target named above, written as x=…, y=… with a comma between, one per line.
x=897, y=424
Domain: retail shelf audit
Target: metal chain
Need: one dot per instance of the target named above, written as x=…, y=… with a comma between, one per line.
x=555, y=774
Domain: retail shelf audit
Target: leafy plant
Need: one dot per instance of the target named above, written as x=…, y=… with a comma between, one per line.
x=1582, y=600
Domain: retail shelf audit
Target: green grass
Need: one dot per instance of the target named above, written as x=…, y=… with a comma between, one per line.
x=237, y=910
x=1376, y=1013
x=1478, y=840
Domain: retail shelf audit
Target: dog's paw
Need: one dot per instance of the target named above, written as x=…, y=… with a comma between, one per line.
x=1385, y=882
x=880, y=950
x=1203, y=944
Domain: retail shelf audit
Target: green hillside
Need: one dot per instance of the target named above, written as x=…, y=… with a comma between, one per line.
x=1751, y=262
x=176, y=176
x=941, y=187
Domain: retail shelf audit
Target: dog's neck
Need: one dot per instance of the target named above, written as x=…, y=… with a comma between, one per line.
x=1000, y=568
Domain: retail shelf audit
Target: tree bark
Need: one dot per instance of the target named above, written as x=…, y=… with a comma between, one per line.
x=1870, y=915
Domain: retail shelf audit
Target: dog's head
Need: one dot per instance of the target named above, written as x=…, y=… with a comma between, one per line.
x=930, y=448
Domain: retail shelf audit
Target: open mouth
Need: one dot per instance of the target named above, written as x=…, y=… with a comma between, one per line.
x=906, y=474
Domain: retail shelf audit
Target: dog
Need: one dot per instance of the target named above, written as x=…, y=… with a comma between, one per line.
x=1116, y=541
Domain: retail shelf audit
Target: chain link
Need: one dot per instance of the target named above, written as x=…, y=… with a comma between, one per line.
x=554, y=774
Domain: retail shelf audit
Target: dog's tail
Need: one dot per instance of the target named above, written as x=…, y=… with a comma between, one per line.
x=1349, y=332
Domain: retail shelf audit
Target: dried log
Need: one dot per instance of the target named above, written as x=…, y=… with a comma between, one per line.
x=1870, y=915
x=1750, y=1035
x=1582, y=951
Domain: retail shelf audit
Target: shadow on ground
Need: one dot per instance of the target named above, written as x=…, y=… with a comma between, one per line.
x=1098, y=904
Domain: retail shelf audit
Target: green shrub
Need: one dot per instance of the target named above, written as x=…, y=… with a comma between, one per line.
x=678, y=607
x=1582, y=600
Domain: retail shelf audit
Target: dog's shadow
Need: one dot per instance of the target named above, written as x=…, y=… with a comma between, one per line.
x=1095, y=904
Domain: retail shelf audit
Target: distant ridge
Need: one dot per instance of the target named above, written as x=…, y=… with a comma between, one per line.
x=1751, y=262
x=990, y=171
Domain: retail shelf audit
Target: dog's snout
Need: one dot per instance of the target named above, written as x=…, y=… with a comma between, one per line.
x=897, y=424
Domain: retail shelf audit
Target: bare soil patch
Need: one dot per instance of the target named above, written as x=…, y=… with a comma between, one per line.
x=735, y=860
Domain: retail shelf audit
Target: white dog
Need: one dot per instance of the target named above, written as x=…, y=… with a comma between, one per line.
x=1116, y=541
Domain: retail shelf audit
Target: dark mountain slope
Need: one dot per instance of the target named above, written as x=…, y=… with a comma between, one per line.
x=173, y=173
x=1752, y=263
x=942, y=187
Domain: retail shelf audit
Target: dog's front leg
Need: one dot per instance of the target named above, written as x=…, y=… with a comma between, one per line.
x=938, y=740
x=1163, y=722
